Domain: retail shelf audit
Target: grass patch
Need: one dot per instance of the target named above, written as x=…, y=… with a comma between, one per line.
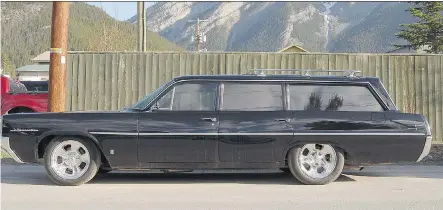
x=4, y=154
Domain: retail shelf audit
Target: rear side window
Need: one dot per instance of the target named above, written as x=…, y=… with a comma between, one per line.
x=332, y=98
x=252, y=97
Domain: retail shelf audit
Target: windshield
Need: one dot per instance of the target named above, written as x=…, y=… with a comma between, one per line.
x=145, y=101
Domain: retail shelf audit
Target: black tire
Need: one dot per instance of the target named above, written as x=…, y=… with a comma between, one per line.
x=91, y=171
x=294, y=166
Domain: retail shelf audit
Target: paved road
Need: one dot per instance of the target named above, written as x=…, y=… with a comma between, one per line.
x=394, y=187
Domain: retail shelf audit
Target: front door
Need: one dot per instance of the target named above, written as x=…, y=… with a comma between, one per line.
x=182, y=128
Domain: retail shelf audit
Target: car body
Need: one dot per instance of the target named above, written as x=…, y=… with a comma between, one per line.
x=23, y=96
x=234, y=122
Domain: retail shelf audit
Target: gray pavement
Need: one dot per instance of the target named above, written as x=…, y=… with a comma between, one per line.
x=385, y=187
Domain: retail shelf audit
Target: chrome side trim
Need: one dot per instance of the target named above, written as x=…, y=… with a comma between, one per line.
x=426, y=148
x=7, y=147
x=114, y=133
x=258, y=134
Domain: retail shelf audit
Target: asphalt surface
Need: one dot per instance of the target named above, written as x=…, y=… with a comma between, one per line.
x=386, y=187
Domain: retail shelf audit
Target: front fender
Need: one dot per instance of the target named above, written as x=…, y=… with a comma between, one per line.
x=44, y=137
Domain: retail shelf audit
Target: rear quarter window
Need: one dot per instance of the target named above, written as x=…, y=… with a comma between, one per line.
x=332, y=98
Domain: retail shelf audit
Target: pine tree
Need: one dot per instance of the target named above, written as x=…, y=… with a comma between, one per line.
x=7, y=67
x=428, y=30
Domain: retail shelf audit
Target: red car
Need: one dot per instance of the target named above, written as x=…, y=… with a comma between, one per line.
x=23, y=96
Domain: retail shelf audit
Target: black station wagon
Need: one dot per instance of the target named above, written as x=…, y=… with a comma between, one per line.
x=310, y=126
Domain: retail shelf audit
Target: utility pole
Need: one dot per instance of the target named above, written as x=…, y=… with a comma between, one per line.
x=141, y=22
x=58, y=52
x=199, y=37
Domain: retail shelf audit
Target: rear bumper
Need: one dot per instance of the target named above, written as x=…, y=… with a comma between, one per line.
x=426, y=148
x=7, y=147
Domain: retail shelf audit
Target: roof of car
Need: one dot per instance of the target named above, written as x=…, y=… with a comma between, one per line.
x=274, y=77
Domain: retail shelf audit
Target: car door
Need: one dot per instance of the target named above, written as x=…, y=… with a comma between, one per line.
x=181, y=127
x=254, y=126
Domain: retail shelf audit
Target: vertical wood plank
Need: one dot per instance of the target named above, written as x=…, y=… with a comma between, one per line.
x=81, y=81
x=397, y=80
x=209, y=64
x=114, y=81
x=141, y=76
x=74, y=89
x=391, y=79
x=431, y=68
x=155, y=73
x=148, y=75
x=195, y=64
x=424, y=90
x=222, y=64
x=385, y=71
x=202, y=64
x=182, y=64
x=88, y=86
x=68, y=100
x=128, y=84
x=108, y=82
x=101, y=82
x=168, y=67
x=122, y=77
x=176, y=65
x=439, y=102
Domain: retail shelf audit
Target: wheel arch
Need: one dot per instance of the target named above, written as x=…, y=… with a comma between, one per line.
x=46, y=138
x=17, y=108
x=299, y=143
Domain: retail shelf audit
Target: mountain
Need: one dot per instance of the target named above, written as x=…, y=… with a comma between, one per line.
x=270, y=26
x=26, y=31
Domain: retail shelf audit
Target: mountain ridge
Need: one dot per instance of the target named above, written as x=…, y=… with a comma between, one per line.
x=26, y=28
x=367, y=27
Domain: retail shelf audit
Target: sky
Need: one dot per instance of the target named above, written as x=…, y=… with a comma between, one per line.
x=125, y=10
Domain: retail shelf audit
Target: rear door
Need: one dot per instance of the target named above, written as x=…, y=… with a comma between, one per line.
x=254, y=126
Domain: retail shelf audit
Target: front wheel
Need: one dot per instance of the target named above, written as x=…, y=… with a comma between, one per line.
x=316, y=164
x=71, y=161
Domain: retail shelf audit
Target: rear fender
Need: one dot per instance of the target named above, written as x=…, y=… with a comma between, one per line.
x=299, y=143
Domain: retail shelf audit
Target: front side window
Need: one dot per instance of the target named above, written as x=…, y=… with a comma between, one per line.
x=252, y=97
x=189, y=97
x=332, y=98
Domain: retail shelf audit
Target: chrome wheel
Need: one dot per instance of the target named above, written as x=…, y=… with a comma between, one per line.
x=317, y=161
x=70, y=159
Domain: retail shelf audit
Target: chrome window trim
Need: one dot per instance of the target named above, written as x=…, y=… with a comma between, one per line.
x=266, y=80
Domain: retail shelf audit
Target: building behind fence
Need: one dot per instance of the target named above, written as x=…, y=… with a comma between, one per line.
x=111, y=81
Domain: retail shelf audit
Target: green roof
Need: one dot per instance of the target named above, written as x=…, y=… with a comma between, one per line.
x=34, y=67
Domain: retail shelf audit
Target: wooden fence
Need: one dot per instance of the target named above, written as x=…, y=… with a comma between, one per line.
x=111, y=81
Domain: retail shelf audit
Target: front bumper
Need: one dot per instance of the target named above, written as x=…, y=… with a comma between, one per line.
x=426, y=148
x=5, y=146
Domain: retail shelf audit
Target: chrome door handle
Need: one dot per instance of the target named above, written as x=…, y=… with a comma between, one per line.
x=209, y=119
x=283, y=120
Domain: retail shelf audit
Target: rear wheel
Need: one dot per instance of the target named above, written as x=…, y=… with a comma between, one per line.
x=71, y=161
x=316, y=164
